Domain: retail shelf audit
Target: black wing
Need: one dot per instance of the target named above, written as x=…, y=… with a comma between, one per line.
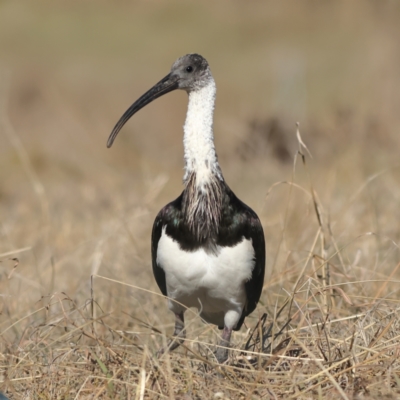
x=164, y=217
x=255, y=285
x=243, y=221
x=158, y=272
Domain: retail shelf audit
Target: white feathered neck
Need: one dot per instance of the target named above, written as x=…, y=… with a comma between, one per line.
x=198, y=141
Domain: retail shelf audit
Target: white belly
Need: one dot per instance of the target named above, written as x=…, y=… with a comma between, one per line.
x=213, y=283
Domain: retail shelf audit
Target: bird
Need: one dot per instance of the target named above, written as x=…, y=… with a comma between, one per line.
x=207, y=246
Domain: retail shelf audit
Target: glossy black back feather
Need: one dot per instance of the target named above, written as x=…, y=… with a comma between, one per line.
x=237, y=221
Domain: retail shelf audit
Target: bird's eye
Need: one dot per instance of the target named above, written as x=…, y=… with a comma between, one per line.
x=189, y=68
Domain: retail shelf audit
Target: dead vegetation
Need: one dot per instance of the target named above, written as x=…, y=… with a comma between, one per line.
x=80, y=314
x=71, y=354
x=334, y=334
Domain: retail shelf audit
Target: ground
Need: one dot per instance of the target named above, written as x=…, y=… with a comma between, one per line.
x=81, y=315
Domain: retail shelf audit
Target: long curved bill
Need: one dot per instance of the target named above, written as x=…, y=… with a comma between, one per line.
x=166, y=85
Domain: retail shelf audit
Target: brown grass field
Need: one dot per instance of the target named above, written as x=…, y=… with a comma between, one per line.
x=81, y=316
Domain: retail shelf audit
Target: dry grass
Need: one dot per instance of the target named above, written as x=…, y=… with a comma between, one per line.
x=81, y=316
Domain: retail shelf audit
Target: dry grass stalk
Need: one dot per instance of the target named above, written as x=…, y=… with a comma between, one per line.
x=80, y=315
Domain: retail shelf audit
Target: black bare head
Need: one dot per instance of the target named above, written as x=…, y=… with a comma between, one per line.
x=190, y=72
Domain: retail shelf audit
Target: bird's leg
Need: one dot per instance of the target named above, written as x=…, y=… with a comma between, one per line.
x=179, y=333
x=222, y=352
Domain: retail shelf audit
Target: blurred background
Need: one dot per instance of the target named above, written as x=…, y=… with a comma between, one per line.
x=70, y=207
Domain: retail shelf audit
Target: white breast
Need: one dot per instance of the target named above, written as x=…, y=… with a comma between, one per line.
x=213, y=283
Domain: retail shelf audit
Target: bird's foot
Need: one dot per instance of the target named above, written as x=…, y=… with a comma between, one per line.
x=221, y=355
x=173, y=343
